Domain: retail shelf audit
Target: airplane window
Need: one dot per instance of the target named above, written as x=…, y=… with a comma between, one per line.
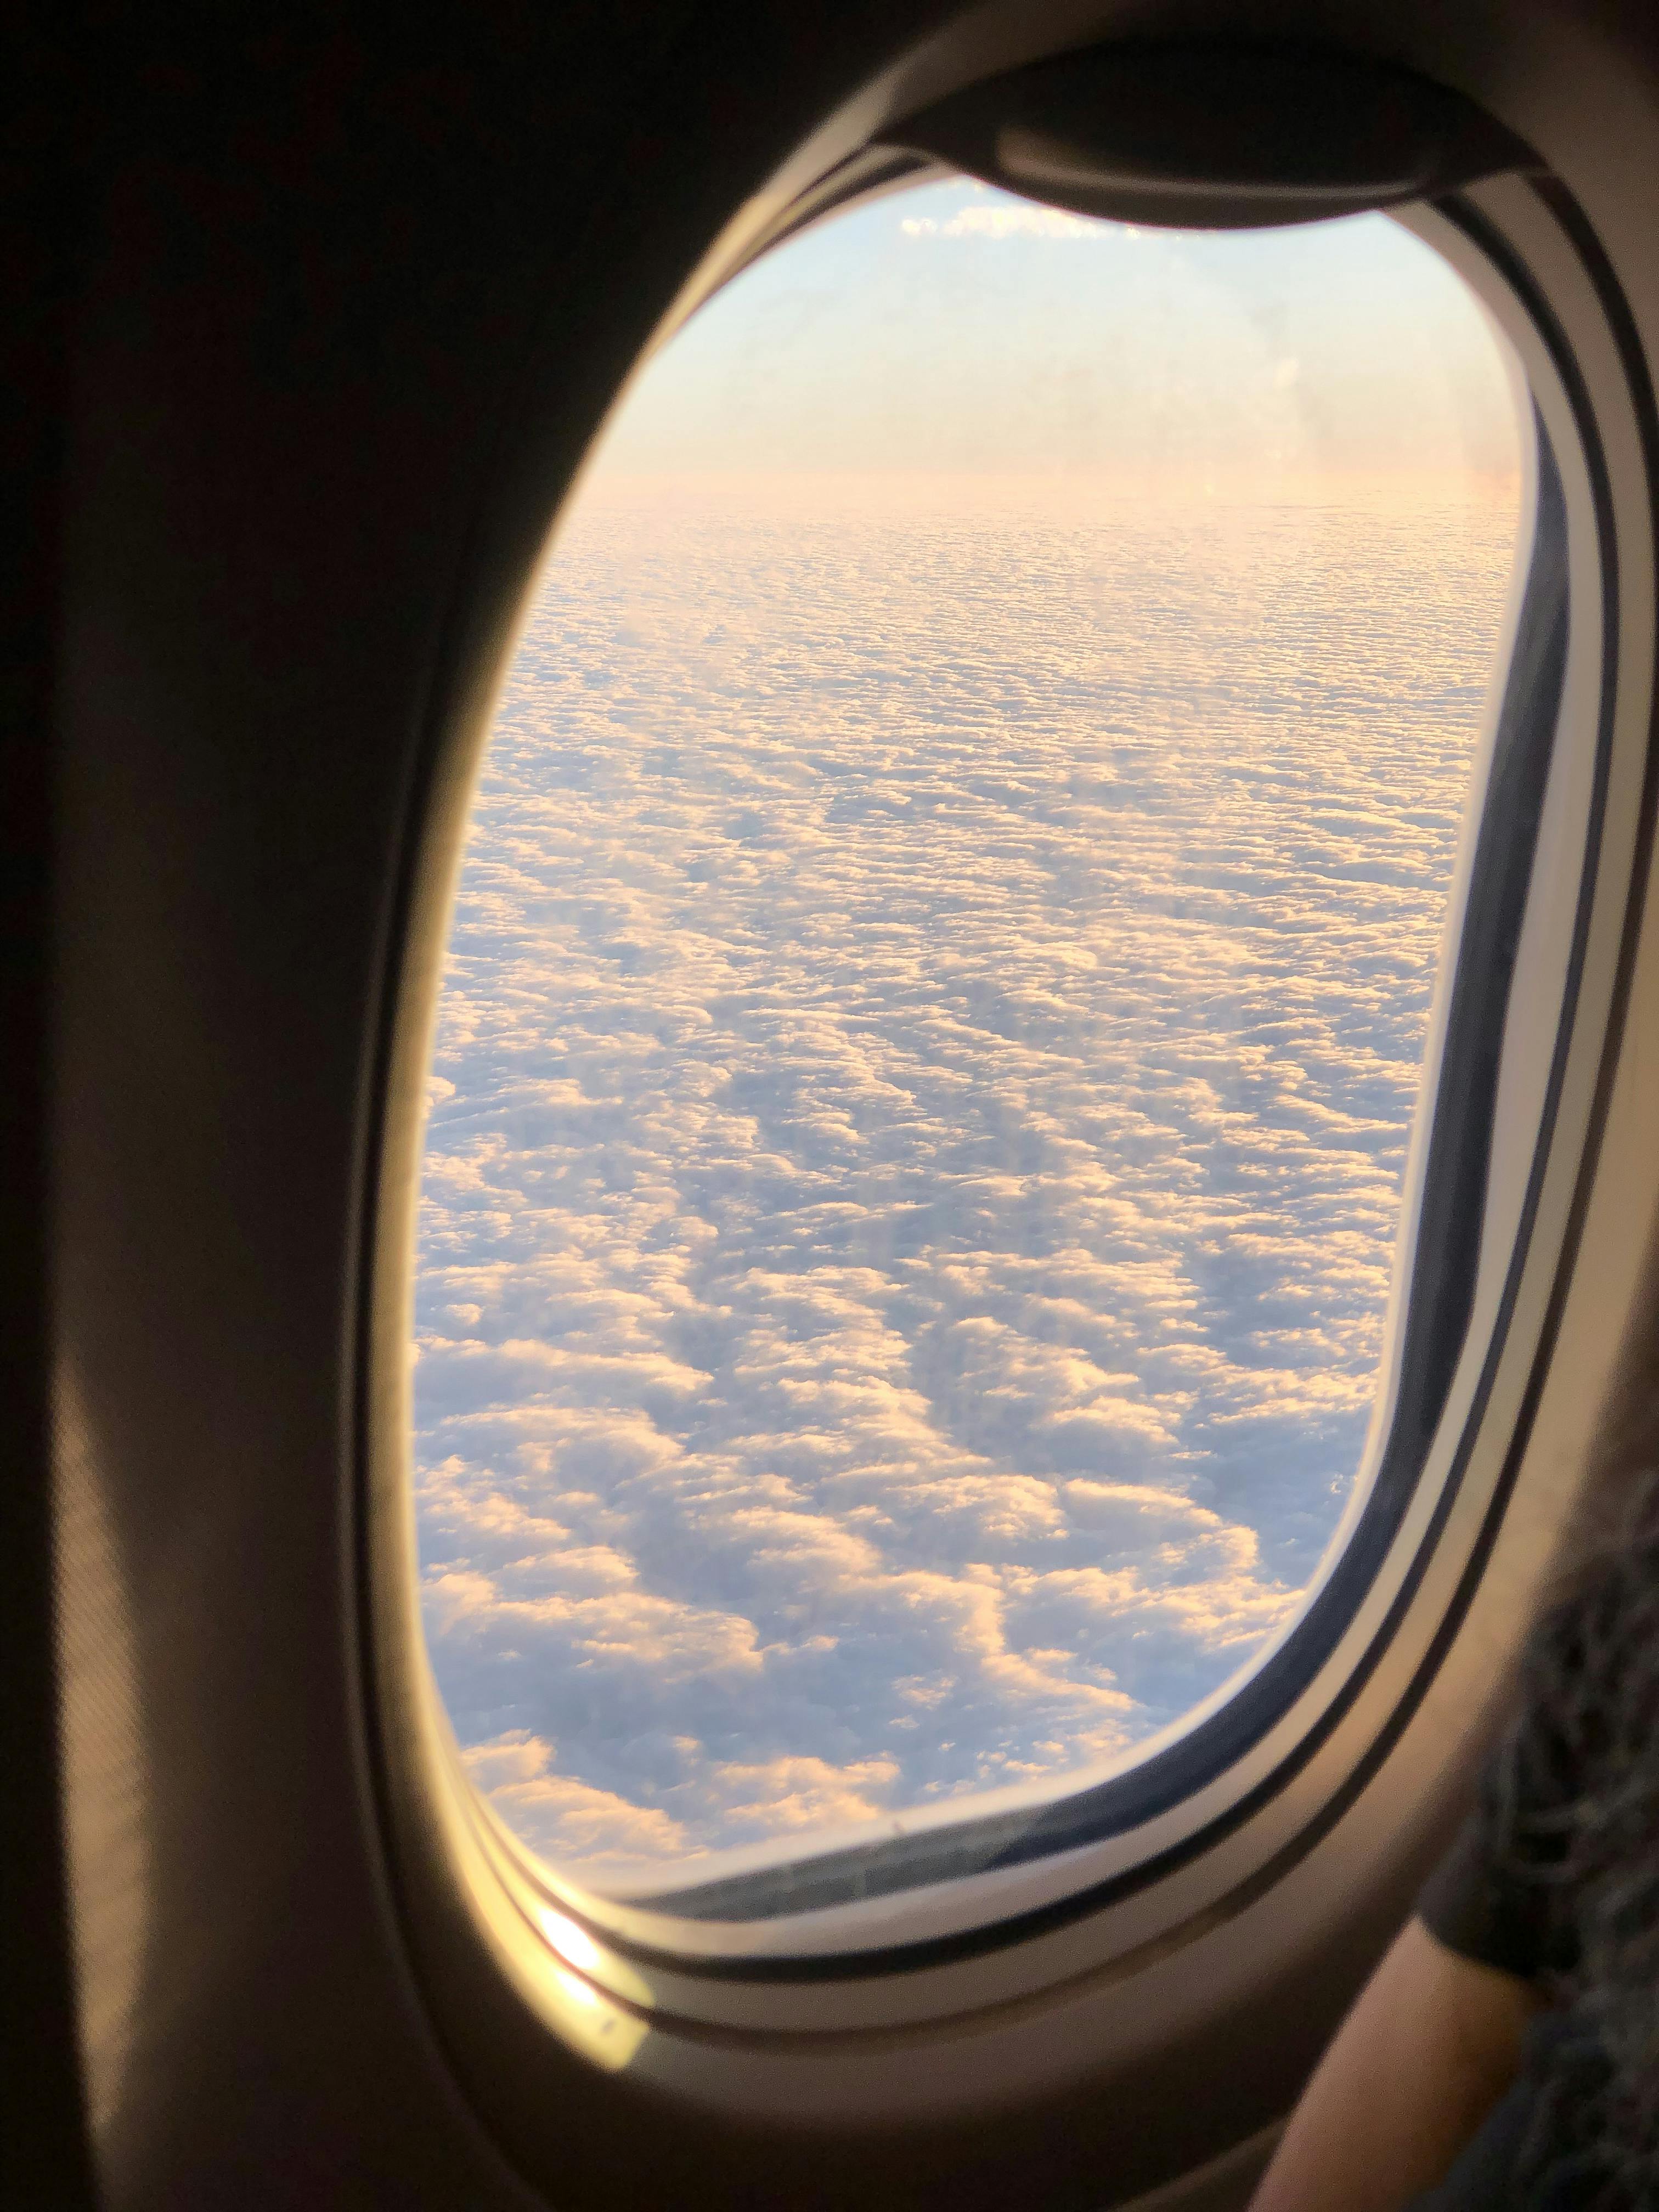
x=935, y=1016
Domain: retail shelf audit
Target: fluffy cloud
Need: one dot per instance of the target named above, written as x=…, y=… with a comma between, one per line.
x=1005, y=218
x=931, y=1029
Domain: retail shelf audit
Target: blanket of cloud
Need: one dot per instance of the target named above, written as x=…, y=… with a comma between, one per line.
x=932, y=1021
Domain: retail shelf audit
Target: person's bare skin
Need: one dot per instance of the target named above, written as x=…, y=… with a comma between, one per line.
x=1428, y=2050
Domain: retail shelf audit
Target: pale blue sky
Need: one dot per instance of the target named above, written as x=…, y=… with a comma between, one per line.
x=953, y=328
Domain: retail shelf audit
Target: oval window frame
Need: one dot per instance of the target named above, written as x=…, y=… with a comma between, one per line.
x=1183, y=1873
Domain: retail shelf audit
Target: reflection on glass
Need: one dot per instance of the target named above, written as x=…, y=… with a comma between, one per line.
x=935, y=1014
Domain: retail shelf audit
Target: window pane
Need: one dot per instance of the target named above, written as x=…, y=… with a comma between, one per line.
x=935, y=1014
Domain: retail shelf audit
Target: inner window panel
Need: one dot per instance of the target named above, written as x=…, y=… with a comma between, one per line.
x=935, y=1014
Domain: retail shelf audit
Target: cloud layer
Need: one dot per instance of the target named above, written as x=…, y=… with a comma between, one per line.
x=932, y=1020
x=999, y=217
